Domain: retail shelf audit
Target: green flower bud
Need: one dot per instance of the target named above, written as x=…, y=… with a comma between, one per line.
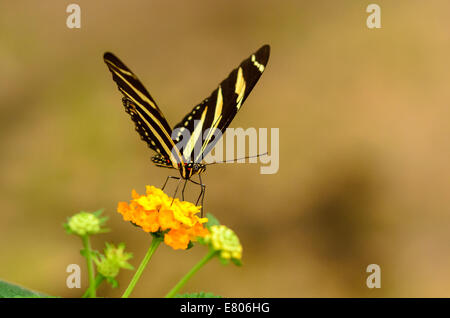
x=84, y=223
x=223, y=239
x=106, y=268
x=113, y=260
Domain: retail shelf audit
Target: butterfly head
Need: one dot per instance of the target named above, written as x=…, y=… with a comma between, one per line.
x=193, y=168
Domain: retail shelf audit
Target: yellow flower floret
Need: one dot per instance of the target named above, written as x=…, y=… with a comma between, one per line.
x=156, y=211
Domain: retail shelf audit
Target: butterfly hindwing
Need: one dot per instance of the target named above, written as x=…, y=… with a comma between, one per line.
x=219, y=109
x=149, y=120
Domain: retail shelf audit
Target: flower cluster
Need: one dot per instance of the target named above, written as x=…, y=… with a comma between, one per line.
x=225, y=241
x=157, y=213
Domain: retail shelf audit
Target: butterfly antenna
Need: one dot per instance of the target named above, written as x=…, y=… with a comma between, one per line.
x=234, y=160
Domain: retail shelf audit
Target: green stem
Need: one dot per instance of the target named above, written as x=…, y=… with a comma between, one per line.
x=98, y=280
x=193, y=270
x=90, y=265
x=137, y=275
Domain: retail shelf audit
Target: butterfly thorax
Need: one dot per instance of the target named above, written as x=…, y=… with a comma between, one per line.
x=192, y=169
x=187, y=170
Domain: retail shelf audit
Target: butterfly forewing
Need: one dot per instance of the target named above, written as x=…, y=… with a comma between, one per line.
x=150, y=122
x=219, y=109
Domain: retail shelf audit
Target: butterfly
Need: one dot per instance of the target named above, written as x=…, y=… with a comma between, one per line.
x=178, y=148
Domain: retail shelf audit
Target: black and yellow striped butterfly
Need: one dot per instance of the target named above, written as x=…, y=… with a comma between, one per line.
x=212, y=114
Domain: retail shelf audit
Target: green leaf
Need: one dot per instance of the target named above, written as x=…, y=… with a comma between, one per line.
x=94, y=253
x=113, y=282
x=190, y=245
x=159, y=235
x=237, y=262
x=67, y=228
x=98, y=212
x=8, y=290
x=211, y=220
x=197, y=295
x=224, y=261
x=83, y=252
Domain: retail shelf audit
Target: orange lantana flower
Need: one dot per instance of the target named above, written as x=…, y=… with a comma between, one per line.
x=157, y=213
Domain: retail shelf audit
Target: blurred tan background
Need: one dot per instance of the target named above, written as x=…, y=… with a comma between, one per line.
x=364, y=152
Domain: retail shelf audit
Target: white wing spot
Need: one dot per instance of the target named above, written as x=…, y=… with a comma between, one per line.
x=186, y=123
x=190, y=117
x=198, y=107
x=257, y=64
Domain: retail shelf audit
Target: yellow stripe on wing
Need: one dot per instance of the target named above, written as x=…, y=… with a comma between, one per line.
x=138, y=92
x=160, y=139
x=239, y=88
x=195, y=135
x=216, y=121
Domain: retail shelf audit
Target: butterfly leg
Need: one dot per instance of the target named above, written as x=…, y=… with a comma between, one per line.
x=176, y=190
x=184, y=187
x=202, y=192
x=167, y=179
